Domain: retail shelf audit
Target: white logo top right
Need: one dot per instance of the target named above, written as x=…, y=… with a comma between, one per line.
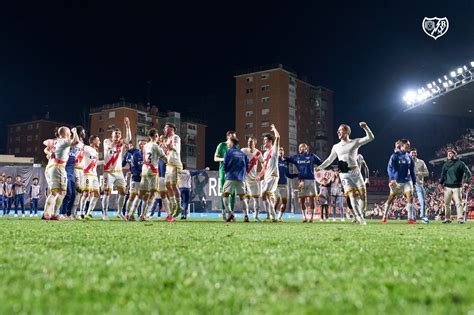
x=435, y=27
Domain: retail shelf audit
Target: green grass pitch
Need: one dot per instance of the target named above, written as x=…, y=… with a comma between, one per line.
x=210, y=267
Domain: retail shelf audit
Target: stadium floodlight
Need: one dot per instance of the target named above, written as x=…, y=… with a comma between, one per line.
x=456, y=78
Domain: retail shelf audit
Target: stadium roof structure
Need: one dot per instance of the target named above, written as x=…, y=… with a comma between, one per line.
x=451, y=95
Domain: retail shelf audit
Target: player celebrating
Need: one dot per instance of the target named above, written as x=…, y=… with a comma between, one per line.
x=90, y=184
x=282, y=188
x=365, y=174
x=346, y=151
x=236, y=164
x=149, y=179
x=219, y=157
x=76, y=155
x=421, y=172
x=306, y=163
x=134, y=159
x=55, y=172
x=251, y=184
x=270, y=174
x=401, y=173
x=172, y=144
x=113, y=174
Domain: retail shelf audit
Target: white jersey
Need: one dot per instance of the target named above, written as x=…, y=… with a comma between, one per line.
x=347, y=151
x=254, y=157
x=112, y=156
x=151, y=154
x=79, y=155
x=2, y=188
x=360, y=160
x=421, y=171
x=61, y=150
x=174, y=155
x=184, y=178
x=8, y=189
x=270, y=166
x=90, y=160
x=35, y=191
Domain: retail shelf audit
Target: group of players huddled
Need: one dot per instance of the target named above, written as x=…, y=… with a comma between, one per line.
x=253, y=176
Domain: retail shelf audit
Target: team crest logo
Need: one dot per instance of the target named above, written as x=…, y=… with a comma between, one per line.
x=435, y=27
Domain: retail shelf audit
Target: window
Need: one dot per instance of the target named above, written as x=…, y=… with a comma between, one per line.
x=265, y=123
x=249, y=79
x=248, y=125
x=264, y=76
x=265, y=99
x=111, y=126
x=191, y=151
x=265, y=111
x=265, y=88
x=30, y=126
x=249, y=113
x=111, y=114
x=101, y=130
x=28, y=149
x=101, y=118
x=191, y=139
x=248, y=91
x=249, y=102
x=191, y=127
x=29, y=138
x=17, y=150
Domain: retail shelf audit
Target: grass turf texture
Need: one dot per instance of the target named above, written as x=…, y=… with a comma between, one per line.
x=217, y=268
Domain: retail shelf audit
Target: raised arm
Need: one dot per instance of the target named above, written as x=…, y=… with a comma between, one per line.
x=369, y=136
x=128, y=132
x=328, y=161
x=277, y=135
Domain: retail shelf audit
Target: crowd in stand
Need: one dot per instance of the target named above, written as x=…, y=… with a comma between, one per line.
x=463, y=144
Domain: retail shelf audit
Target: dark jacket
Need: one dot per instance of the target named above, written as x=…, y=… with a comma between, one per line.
x=453, y=173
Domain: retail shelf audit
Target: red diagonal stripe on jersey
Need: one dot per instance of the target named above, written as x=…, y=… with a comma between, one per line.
x=253, y=161
x=90, y=166
x=113, y=159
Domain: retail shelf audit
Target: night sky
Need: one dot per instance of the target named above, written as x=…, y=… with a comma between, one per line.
x=79, y=54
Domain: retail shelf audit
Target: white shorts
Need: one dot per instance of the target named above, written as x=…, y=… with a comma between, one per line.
x=134, y=187
x=352, y=181
x=307, y=188
x=269, y=185
x=234, y=185
x=282, y=191
x=79, y=178
x=162, y=185
x=401, y=188
x=171, y=175
x=90, y=183
x=112, y=179
x=149, y=184
x=253, y=188
x=56, y=177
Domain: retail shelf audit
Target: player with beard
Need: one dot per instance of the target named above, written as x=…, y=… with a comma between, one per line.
x=113, y=174
x=421, y=172
x=90, y=192
x=282, y=188
x=306, y=163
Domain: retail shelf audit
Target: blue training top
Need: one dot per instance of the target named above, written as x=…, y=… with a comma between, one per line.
x=236, y=163
x=305, y=164
x=284, y=171
x=134, y=159
x=401, y=167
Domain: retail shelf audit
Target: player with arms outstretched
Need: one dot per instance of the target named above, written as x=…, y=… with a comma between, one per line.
x=346, y=152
